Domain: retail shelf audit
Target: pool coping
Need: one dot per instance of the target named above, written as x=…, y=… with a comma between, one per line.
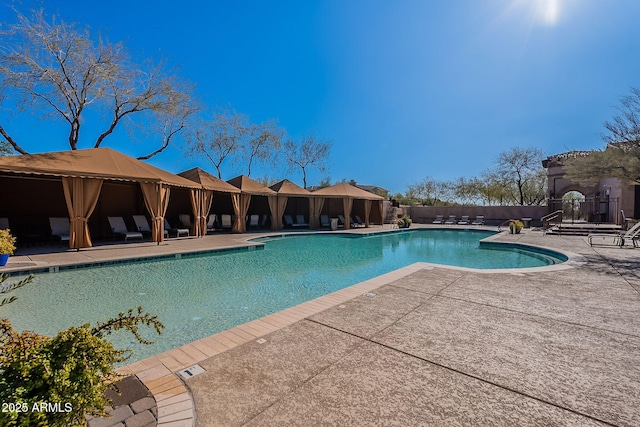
x=160, y=373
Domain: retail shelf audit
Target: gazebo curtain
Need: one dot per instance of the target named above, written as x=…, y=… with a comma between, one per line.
x=156, y=199
x=281, y=206
x=81, y=196
x=196, y=208
x=367, y=212
x=205, y=205
x=315, y=208
x=241, y=206
x=347, y=204
x=277, y=205
x=381, y=209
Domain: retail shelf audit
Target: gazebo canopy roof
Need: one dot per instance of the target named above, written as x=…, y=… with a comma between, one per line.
x=249, y=186
x=289, y=188
x=102, y=163
x=208, y=181
x=342, y=189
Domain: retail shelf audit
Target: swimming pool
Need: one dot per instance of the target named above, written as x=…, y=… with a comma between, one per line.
x=197, y=296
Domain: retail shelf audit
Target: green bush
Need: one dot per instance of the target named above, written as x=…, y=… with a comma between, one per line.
x=55, y=381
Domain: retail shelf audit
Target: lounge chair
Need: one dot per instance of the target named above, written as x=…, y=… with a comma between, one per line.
x=341, y=220
x=119, y=228
x=176, y=231
x=263, y=221
x=254, y=221
x=617, y=239
x=627, y=222
x=359, y=221
x=452, y=220
x=185, y=220
x=61, y=228
x=479, y=220
x=439, y=219
x=464, y=220
x=211, y=222
x=143, y=225
x=226, y=221
x=324, y=221
x=287, y=221
x=300, y=222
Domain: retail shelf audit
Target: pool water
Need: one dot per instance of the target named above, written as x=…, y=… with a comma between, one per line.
x=198, y=296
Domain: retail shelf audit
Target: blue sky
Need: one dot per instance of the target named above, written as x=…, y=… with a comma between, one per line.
x=404, y=89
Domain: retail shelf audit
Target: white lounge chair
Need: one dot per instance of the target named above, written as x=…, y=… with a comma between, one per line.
x=177, y=231
x=300, y=222
x=287, y=220
x=439, y=219
x=617, y=239
x=211, y=222
x=226, y=221
x=61, y=228
x=119, y=228
x=452, y=219
x=185, y=220
x=143, y=225
x=464, y=220
x=479, y=220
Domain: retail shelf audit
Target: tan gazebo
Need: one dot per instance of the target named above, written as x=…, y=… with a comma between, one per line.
x=210, y=186
x=82, y=173
x=348, y=193
x=287, y=189
x=248, y=188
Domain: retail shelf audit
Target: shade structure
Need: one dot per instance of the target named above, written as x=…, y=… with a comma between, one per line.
x=248, y=188
x=348, y=193
x=204, y=200
x=82, y=170
x=286, y=189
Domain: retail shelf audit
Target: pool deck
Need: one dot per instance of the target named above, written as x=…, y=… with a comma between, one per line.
x=424, y=344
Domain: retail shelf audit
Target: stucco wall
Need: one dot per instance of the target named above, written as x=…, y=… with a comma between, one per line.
x=493, y=215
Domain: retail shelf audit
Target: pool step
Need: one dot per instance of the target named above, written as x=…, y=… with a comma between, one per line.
x=584, y=229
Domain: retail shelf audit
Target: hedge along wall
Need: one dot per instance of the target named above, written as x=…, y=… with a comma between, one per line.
x=493, y=215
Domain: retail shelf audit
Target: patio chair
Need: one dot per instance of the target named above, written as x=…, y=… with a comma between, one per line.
x=226, y=221
x=300, y=222
x=359, y=221
x=254, y=221
x=324, y=221
x=174, y=230
x=464, y=220
x=185, y=220
x=211, y=222
x=452, y=220
x=264, y=220
x=617, y=239
x=439, y=219
x=60, y=228
x=627, y=222
x=479, y=220
x=143, y=225
x=119, y=228
x=341, y=220
x=287, y=220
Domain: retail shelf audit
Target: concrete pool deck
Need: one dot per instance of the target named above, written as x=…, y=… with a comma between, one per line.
x=421, y=345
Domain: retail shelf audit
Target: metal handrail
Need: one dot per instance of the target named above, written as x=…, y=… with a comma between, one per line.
x=504, y=223
x=546, y=220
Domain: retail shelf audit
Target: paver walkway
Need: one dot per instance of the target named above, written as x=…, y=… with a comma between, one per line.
x=445, y=346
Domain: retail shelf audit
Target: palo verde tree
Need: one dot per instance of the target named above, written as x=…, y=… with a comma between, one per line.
x=523, y=173
x=56, y=70
x=621, y=157
x=229, y=136
x=307, y=152
x=68, y=373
